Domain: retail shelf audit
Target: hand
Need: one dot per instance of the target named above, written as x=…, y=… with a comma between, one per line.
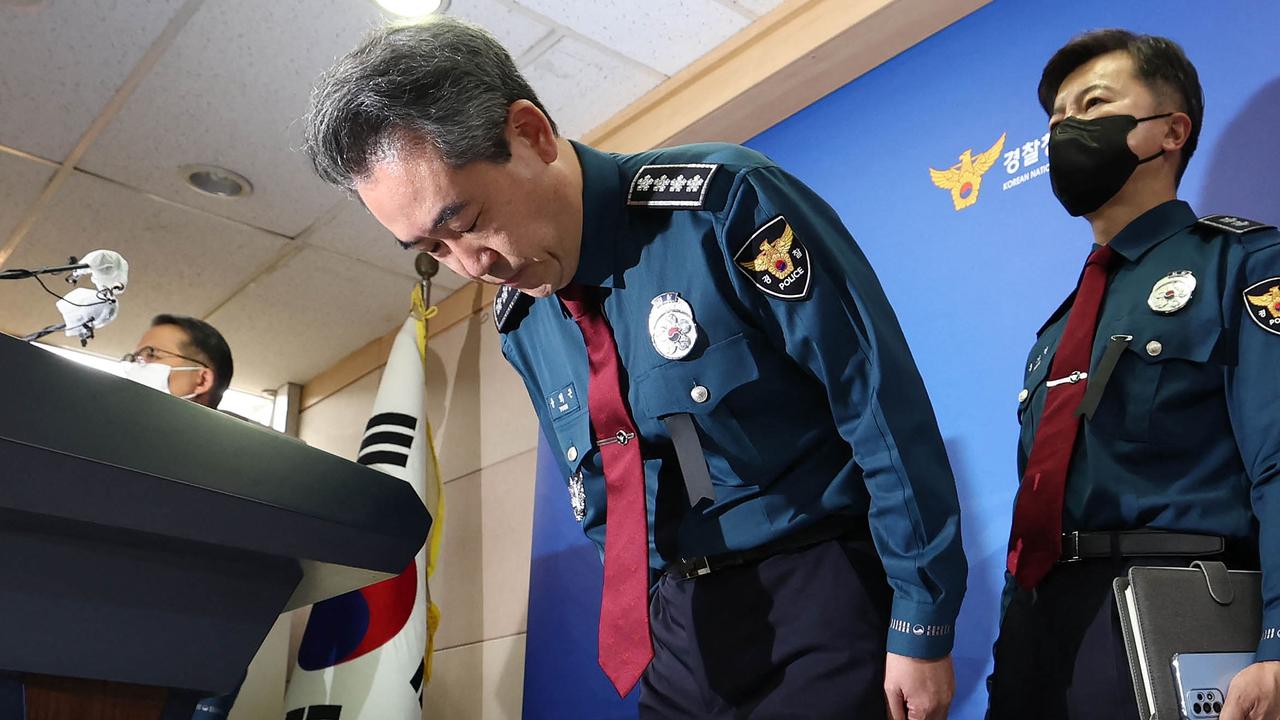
x=1254, y=693
x=919, y=689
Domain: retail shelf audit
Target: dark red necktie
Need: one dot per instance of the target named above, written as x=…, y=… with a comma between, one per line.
x=625, y=646
x=1035, y=543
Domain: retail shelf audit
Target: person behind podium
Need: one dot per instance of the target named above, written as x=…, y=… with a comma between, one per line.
x=182, y=356
x=187, y=358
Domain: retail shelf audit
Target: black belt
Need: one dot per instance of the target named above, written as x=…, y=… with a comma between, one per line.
x=829, y=529
x=1138, y=543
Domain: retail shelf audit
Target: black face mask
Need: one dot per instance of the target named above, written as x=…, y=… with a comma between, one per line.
x=1090, y=160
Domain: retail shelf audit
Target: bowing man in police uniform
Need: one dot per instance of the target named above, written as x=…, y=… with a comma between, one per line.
x=1148, y=405
x=741, y=427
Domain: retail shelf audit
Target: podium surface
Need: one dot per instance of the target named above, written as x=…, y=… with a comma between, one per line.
x=149, y=540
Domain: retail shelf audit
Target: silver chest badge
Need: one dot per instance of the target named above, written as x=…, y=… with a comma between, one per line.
x=1172, y=292
x=671, y=326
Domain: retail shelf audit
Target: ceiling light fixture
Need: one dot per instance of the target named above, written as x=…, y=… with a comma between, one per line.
x=413, y=8
x=216, y=181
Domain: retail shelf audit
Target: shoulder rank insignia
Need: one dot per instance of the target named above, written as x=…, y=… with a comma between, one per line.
x=1262, y=300
x=1233, y=224
x=504, y=306
x=775, y=260
x=671, y=186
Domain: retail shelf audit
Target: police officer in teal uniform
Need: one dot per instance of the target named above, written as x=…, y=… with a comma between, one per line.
x=742, y=428
x=1176, y=447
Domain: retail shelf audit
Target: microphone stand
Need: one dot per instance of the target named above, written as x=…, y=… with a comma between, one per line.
x=22, y=274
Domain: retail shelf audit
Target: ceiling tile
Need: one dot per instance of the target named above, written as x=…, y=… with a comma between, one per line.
x=309, y=313
x=231, y=91
x=61, y=62
x=21, y=181
x=355, y=233
x=518, y=31
x=180, y=261
x=560, y=74
x=664, y=35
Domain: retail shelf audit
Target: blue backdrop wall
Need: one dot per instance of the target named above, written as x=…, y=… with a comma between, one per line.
x=970, y=285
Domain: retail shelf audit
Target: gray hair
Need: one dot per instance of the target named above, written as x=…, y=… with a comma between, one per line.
x=444, y=83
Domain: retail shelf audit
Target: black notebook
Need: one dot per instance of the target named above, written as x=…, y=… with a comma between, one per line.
x=1165, y=611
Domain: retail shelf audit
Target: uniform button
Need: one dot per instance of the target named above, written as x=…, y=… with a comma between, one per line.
x=1154, y=348
x=699, y=394
x=1023, y=395
x=571, y=453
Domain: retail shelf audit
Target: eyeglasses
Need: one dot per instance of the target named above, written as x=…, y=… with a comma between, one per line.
x=148, y=354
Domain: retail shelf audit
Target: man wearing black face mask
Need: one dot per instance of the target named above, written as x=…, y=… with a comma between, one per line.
x=1148, y=404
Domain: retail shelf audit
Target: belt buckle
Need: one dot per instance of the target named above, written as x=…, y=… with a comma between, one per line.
x=697, y=567
x=1074, y=555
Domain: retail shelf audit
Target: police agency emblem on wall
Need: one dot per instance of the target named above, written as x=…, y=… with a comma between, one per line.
x=964, y=179
x=776, y=261
x=1263, y=299
x=671, y=326
x=1172, y=292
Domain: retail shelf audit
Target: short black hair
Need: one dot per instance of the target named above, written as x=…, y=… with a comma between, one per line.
x=443, y=83
x=204, y=342
x=1159, y=62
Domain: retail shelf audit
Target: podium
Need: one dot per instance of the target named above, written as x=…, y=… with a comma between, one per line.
x=148, y=544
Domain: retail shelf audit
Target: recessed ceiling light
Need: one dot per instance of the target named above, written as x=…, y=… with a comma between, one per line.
x=413, y=8
x=216, y=181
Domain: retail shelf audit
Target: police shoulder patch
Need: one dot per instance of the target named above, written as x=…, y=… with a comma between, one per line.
x=1262, y=300
x=1233, y=224
x=775, y=260
x=671, y=186
x=505, y=306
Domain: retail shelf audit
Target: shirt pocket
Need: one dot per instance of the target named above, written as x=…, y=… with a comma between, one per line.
x=1032, y=392
x=707, y=389
x=1163, y=380
x=573, y=437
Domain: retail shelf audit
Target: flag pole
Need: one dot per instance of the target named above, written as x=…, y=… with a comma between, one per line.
x=427, y=268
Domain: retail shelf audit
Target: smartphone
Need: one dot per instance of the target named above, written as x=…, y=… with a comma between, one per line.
x=1202, y=680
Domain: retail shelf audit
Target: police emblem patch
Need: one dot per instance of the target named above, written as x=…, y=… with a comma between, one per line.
x=1262, y=299
x=776, y=261
x=1172, y=292
x=577, y=497
x=672, y=328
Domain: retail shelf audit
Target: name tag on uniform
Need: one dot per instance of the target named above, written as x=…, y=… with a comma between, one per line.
x=563, y=401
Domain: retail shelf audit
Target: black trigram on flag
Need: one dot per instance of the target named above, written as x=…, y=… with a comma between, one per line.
x=385, y=429
x=416, y=680
x=315, y=712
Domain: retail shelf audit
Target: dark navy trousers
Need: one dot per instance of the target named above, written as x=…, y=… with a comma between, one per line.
x=1060, y=653
x=799, y=634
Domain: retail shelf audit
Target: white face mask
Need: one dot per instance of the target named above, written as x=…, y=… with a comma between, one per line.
x=154, y=375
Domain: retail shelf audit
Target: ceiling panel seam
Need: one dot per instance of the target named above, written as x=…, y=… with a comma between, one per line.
x=743, y=11
x=570, y=32
x=5, y=149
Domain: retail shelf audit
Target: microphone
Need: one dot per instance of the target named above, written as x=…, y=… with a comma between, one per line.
x=84, y=310
x=106, y=268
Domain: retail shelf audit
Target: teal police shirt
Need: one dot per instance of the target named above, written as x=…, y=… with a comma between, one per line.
x=1184, y=435
x=781, y=348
